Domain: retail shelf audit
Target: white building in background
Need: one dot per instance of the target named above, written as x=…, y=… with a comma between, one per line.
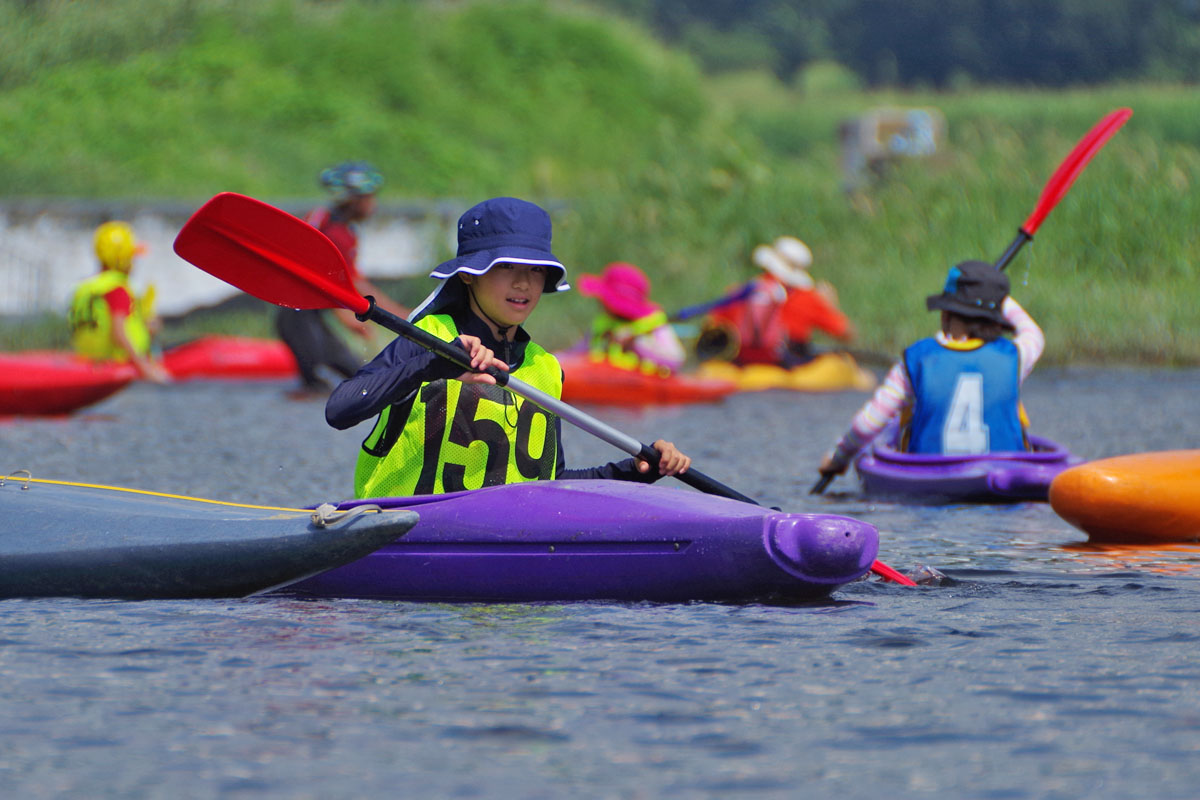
x=46, y=249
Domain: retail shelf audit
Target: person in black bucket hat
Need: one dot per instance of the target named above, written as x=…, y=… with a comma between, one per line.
x=974, y=290
x=957, y=392
x=440, y=429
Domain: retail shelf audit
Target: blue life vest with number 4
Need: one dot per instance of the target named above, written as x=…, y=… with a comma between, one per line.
x=463, y=435
x=967, y=399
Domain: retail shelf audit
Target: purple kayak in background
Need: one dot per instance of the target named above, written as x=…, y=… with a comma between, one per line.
x=602, y=540
x=986, y=478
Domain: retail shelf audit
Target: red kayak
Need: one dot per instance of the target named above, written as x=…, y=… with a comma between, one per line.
x=230, y=357
x=56, y=382
x=601, y=383
x=53, y=382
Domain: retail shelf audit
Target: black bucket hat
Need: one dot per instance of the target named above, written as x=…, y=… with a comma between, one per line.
x=973, y=289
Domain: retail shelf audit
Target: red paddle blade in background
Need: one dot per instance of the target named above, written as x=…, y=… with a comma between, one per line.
x=267, y=252
x=1074, y=163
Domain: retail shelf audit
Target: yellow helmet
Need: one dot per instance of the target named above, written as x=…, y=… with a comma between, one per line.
x=116, y=245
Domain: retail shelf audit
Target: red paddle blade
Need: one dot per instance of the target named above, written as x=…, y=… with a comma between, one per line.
x=1074, y=163
x=890, y=574
x=268, y=253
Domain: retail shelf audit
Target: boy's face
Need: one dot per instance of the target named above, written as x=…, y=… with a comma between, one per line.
x=508, y=293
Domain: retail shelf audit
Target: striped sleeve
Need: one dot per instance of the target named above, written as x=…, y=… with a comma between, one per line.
x=1029, y=339
x=890, y=397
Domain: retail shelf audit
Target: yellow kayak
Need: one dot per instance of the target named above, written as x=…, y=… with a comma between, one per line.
x=828, y=372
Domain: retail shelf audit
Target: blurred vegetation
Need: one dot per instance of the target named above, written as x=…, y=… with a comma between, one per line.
x=934, y=42
x=134, y=98
x=643, y=158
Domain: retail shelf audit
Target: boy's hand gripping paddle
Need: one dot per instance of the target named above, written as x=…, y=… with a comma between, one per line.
x=1054, y=190
x=282, y=259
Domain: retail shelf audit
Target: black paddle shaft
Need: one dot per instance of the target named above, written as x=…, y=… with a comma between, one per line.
x=1017, y=243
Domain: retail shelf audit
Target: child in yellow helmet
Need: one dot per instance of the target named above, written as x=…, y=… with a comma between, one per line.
x=108, y=322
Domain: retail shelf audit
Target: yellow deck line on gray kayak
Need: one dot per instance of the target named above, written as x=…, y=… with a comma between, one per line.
x=14, y=479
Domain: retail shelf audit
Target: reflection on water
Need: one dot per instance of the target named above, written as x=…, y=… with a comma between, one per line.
x=1173, y=558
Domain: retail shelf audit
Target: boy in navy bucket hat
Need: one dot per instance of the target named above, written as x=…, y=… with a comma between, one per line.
x=440, y=429
x=957, y=392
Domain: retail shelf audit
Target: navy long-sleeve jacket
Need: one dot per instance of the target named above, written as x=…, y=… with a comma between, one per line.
x=394, y=376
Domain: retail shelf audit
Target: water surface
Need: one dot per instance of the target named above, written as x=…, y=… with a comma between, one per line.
x=1042, y=669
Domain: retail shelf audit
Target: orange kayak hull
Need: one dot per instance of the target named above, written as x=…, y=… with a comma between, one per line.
x=601, y=383
x=1142, y=497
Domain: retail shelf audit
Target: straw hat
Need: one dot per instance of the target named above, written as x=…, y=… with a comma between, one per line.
x=788, y=259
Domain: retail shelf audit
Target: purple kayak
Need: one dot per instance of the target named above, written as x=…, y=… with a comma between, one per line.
x=985, y=478
x=602, y=540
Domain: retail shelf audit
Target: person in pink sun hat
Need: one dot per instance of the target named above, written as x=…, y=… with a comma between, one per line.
x=772, y=318
x=632, y=332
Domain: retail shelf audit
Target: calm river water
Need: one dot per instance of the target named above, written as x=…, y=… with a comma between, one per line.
x=1041, y=669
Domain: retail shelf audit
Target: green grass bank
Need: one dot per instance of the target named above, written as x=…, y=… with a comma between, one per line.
x=648, y=160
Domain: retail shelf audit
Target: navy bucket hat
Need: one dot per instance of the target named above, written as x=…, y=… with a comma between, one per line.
x=973, y=289
x=502, y=229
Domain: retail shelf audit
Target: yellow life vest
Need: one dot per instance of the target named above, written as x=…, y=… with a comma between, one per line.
x=463, y=435
x=608, y=333
x=91, y=319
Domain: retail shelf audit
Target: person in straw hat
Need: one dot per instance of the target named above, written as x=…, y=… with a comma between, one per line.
x=771, y=319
